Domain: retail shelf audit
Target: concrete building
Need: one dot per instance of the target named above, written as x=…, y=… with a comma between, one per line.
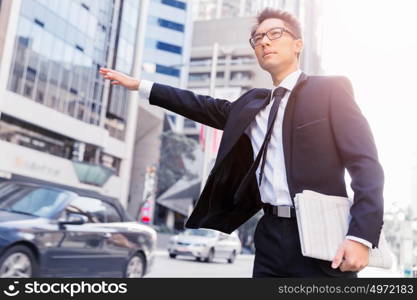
x=230, y=26
x=60, y=122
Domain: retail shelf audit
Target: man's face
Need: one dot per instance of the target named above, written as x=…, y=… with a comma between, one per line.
x=277, y=54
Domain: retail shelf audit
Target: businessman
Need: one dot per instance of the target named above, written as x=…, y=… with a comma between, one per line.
x=300, y=134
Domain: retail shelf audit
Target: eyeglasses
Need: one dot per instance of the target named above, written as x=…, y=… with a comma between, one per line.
x=272, y=34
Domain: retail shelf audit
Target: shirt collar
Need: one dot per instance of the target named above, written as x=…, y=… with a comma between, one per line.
x=289, y=81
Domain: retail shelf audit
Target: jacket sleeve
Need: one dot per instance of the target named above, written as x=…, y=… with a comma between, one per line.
x=202, y=109
x=358, y=152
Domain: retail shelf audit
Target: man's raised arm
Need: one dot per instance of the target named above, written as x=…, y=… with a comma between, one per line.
x=203, y=109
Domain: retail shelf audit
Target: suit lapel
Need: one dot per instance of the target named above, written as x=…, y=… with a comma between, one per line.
x=237, y=124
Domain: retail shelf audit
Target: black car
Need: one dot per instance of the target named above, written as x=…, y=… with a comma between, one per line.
x=52, y=232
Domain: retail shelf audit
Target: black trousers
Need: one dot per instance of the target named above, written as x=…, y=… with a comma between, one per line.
x=278, y=252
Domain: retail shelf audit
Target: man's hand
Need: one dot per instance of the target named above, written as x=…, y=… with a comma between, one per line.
x=118, y=78
x=351, y=256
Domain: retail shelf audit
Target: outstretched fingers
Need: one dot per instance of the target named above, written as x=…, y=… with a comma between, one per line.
x=110, y=75
x=105, y=70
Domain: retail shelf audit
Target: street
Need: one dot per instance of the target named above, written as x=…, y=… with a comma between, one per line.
x=184, y=266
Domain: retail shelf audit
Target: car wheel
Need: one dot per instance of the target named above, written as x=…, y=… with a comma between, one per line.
x=210, y=256
x=135, y=267
x=198, y=258
x=232, y=257
x=172, y=255
x=18, y=262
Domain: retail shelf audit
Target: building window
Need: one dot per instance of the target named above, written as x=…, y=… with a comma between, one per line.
x=24, y=134
x=40, y=23
x=79, y=48
x=174, y=3
x=206, y=61
x=241, y=75
x=171, y=25
x=111, y=162
x=244, y=59
x=199, y=77
x=167, y=70
x=85, y=6
x=28, y=91
x=115, y=127
x=30, y=74
x=204, y=76
x=189, y=123
x=168, y=47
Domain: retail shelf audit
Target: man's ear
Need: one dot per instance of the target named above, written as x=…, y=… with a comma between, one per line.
x=299, y=45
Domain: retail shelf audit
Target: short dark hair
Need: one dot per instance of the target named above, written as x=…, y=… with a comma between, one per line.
x=289, y=20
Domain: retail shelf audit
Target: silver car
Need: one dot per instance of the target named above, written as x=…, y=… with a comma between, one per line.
x=205, y=244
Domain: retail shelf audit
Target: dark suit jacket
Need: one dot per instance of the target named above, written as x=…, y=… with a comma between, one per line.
x=324, y=132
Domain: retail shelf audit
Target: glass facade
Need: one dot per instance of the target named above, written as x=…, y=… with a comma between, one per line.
x=59, y=48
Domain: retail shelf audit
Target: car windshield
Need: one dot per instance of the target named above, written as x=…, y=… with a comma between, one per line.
x=31, y=200
x=200, y=232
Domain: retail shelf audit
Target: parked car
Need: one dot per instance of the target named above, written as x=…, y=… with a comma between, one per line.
x=205, y=244
x=52, y=232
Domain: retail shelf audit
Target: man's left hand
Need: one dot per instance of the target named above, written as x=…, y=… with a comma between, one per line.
x=351, y=256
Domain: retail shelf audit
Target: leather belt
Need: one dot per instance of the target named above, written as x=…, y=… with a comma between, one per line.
x=282, y=211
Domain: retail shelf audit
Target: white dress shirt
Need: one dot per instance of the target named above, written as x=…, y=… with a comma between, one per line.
x=274, y=188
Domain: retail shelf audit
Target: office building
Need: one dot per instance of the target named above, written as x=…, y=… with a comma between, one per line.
x=60, y=122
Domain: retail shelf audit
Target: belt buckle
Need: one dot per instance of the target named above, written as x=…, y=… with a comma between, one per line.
x=284, y=211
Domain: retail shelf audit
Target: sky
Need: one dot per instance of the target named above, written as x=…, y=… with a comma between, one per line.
x=374, y=44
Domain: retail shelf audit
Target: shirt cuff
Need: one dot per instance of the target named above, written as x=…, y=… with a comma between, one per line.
x=145, y=87
x=362, y=241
